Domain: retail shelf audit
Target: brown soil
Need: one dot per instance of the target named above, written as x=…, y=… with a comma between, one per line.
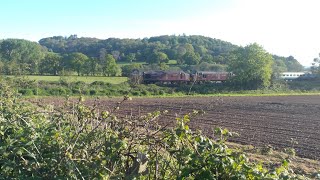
x=277, y=121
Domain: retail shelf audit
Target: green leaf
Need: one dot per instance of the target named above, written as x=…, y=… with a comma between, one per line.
x=285, y=163
x=217, y=131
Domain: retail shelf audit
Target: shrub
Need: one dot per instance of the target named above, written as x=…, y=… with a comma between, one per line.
x=39, y=92
x=98, y=83
x=161, y=92
x=26, y=92
x=145, y=92
x=57, y=91
x=79, y=84
x=135, y=93
x=92, y=92
x=85, y=92
x=75, y=91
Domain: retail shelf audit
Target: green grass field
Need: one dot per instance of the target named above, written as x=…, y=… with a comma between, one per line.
x=86, y=79
x=171, y=62
x=128, y=63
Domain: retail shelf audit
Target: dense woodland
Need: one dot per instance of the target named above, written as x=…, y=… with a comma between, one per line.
x=90, y=56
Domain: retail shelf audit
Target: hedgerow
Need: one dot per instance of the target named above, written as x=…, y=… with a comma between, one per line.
x=80, y=142
x=64, y=87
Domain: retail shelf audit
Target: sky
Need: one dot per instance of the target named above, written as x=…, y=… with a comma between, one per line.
x=282, y=27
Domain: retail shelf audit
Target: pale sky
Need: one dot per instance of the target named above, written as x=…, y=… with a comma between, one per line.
x=282, y=27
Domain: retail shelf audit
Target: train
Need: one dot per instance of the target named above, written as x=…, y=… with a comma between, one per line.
x=296, y=76
x=178, y=77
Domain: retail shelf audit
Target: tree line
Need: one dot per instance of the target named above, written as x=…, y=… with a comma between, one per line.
x=150, y=50
x=22, y=57
x=90, y=56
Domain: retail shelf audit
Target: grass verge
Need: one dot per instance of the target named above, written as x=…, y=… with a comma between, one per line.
x=86, y=79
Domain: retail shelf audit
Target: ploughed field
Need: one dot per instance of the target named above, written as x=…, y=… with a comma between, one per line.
x=260, y=121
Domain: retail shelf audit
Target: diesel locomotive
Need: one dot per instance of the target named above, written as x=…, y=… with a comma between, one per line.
x=175, y=77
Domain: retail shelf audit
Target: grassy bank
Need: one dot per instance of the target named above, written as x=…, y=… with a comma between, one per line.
x=86, y=79
x=117, y=86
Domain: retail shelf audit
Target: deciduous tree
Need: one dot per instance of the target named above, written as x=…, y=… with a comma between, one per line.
x=26, y=54
x=293, y=64
x=127, y=69
x=51, y=64
x=191, y=58
x=158, y=57
x=111, y=68
x=77, y=60
x=130, y=57
x=252, y=67
x=91, y=66
x=315, y=68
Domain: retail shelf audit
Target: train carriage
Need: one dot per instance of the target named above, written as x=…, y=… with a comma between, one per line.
x=290, y=76
x=165, y=77
x=208, y=76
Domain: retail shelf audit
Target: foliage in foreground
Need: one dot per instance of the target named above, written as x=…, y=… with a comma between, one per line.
x=76, y=141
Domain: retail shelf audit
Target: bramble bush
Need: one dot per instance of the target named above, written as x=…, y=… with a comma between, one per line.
x=78, y=142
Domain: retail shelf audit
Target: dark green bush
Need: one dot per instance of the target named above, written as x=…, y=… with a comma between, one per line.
x=145, y=92
x=161, y=92
x=79, y=84
x=57, y=91
x=135, y=93
x=26, y=92
x=75, y=91
x=85, y=92
x=39, y=92
x=93, y=92
x=98, y=83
